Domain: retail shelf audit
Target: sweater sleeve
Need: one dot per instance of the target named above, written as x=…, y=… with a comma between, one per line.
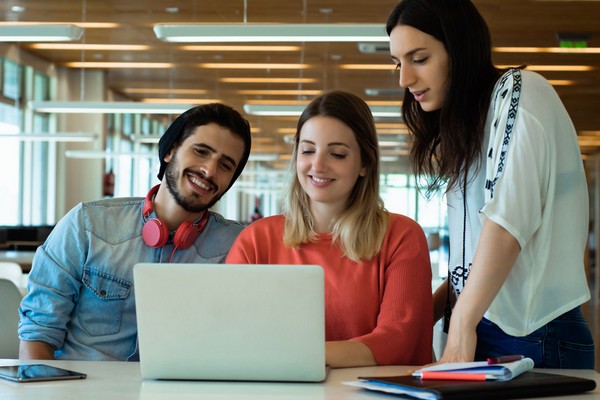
x=404, y=330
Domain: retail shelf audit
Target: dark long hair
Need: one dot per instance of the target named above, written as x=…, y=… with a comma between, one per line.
x=446, y=143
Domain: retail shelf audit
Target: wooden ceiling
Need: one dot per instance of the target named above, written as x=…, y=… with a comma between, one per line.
x=513, y=23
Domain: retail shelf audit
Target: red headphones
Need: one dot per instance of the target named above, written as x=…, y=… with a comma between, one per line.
x=156, y=234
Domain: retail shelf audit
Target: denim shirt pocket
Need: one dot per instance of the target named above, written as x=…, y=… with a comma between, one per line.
x=101, y=303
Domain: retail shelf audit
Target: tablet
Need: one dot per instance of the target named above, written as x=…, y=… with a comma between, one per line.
x=37, y=372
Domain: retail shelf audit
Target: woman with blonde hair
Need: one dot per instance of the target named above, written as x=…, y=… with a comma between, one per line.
x=377, y=271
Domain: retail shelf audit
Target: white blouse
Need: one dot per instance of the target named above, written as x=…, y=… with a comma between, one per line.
x=532, y=183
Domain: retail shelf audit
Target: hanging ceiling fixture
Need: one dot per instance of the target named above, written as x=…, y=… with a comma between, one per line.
x=50, y=137
x=106, y=154
x=208, y=33
x=107, y=107
x=101, y=154
x=40, y=33
x=280, y=110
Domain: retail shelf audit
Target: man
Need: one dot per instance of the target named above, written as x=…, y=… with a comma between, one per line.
x=80, y=303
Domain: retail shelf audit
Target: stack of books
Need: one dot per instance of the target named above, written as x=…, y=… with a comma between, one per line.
x=493, y=379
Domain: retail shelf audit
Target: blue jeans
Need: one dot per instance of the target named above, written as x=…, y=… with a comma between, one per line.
x=565, y=342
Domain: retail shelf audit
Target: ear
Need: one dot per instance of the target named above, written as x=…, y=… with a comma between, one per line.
x=167, y=158
x=363, y=171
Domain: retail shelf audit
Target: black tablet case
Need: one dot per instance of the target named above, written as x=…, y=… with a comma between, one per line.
x=529, y=384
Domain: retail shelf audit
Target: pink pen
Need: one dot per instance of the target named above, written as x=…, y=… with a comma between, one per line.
x=454, y=376
x=504, y=359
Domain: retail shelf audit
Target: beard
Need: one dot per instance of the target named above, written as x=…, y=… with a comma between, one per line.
x=192, y=204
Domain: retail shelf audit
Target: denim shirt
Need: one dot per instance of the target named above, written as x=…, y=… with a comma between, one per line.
x=80, y=293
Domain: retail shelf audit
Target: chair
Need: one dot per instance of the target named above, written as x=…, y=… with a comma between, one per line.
x=10, y=299
x=11, y=271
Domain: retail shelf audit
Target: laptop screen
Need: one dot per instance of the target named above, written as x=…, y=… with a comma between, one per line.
x=231, y=322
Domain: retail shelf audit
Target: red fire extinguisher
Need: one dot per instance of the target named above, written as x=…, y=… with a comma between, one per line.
x=108, y=186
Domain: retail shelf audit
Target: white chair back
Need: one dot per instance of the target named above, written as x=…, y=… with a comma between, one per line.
x=11, y=271
x=10, y=299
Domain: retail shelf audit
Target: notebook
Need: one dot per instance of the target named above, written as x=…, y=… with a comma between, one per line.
x=529, y=384
x=476, y=370
x=231, y=322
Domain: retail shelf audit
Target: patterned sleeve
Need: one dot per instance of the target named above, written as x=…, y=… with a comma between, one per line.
x=519, y=158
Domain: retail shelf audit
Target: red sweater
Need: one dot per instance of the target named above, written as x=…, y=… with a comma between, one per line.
x=385, y=302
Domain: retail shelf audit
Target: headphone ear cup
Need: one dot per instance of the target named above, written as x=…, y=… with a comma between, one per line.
x=186, y=234
x=155, y=233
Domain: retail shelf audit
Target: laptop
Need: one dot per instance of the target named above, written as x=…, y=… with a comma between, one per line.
x=231, y=322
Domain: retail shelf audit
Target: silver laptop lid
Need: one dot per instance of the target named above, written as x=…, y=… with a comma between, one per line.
x=231, y=322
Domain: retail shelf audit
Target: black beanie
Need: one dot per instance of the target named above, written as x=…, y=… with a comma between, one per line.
x=217, y=113
x=168, y=139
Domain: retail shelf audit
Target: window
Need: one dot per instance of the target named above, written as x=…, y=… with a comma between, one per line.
x=29, y=184
x=10, y=163
x=12, y=80
x=135, y=174
x=401, y=195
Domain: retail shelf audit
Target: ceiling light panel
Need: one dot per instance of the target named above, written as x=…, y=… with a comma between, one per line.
x=106, y=107
x=97, y=47
x=252, y=33
x=276, y=110
x=40, y=33
x=222, y=48
x=267, y=80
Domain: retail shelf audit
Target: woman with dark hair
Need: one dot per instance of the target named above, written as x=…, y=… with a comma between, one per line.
x=502, y=146
x=377, y=272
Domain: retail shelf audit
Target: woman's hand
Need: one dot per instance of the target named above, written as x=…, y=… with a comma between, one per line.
x=494, y=258
x=461, y=343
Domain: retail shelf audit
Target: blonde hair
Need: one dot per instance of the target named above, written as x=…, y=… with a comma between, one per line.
x=360, y=228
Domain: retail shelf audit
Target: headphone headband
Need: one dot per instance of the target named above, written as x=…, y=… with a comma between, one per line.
x=148, y=207
x=156, y=234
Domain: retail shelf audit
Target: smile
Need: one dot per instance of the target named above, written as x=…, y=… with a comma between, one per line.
x=419, y=96
x=321, y=180
x=200, y=183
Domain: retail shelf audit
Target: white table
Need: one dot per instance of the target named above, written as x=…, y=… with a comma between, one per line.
x=21, y=257
x=121, y=380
